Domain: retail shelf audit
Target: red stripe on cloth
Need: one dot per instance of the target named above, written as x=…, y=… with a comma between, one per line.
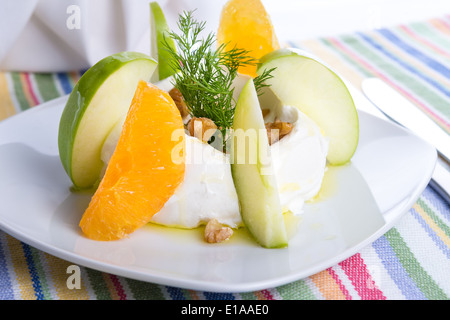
x=340, y=284
x=29, y=88
x=445, y=26
x=355, y=268
x=119, y=289
x=267, y=294
x=424, y=41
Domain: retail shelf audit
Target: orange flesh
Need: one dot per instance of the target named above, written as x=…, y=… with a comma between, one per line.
x=246, y=25
x=142, y=173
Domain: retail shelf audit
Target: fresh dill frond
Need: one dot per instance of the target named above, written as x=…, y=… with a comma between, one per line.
x=204, y=72
x=260, y=81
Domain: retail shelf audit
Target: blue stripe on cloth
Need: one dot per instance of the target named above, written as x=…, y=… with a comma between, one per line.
x=33, y=272
x=430, y=62
x=176, y=293
x=405, y=65
x=436, y=239
x=65, y=82
x=438, y=202
x=395, y=269
x=6, y=292
x=219, y=296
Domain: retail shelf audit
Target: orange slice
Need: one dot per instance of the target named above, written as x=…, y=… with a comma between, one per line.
x=146, y=167
x=246, y=25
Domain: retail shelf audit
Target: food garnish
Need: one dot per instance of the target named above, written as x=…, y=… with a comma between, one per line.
x=201, y=128
x=205, y=71
x=277, y=130
x=215, y=232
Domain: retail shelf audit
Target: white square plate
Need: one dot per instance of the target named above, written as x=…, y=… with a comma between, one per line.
x=361, y=201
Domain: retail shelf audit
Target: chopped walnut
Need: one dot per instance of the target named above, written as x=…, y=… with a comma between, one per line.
x=179, y=101
x=201, y=128
x=216, y=232
x=277, y=130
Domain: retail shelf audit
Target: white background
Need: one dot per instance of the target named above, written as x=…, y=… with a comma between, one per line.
x=34, y=36
x=299, y=19
x=303, y=19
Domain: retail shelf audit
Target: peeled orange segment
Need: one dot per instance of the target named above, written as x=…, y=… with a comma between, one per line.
x=144, y=171
x=246, y=25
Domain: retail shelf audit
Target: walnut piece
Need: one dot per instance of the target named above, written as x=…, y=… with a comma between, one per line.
x=215, y=232
x=179, y=101
x=201, y=128
x=277, y=130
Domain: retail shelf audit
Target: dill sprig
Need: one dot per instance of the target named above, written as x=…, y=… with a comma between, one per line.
x=204, y=72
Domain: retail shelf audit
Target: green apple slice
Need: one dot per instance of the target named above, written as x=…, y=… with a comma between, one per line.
x=252, y=173
x=159, y=33
x=98, y=101
x=318, y=92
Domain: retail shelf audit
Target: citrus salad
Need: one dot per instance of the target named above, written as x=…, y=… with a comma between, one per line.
x=225, y=131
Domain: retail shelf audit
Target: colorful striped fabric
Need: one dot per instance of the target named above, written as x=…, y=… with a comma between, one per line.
x=409, y=262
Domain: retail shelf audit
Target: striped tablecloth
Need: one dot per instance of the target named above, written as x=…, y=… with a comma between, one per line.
x=411, y=261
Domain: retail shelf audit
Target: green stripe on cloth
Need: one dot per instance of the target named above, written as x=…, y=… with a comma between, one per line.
x=248, y=296
x=145, y=291
x=98, y=284
x=46, y=86
x=297, y=290
x=363, y=71
x=422, y=279
x=18, y=91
